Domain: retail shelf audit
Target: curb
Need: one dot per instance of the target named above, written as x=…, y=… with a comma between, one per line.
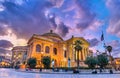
x=63, y=73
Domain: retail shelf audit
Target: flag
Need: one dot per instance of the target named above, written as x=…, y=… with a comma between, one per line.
x=102, y=37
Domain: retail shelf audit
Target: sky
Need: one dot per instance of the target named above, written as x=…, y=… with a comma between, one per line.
x=20, y=19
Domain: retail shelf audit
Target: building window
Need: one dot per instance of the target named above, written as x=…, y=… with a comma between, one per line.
x=25, y=56
x=19, y=55
x=14, y=55
x=38, y=48
x=65, y=53
x=47, y=49
x=55, y=51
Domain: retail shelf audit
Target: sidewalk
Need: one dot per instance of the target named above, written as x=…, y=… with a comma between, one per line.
x=63, y=72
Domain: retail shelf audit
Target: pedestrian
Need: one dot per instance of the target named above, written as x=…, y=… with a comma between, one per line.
x=100, y=70
x=40, y=69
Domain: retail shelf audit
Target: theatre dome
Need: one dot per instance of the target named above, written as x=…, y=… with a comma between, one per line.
x=53, y=36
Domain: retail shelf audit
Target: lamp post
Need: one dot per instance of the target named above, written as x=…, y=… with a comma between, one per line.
x=41, y=62
x=41, y=58
x=69, y=62
x=53, y=62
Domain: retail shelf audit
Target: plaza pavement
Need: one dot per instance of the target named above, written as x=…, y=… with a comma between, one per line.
x=68, y=72
x=11, y=73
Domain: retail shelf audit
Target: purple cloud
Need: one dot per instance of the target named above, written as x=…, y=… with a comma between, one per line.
x=3, y=30
x=87, y=17
x=51, y=18
x=62, y=29
x=28, y=17
x=57, y=3
x=4, y=51
x=93, y=42
x=5, y=44
x=116, y=47
x=79, y=14
x=114, y=22
x=24, y=20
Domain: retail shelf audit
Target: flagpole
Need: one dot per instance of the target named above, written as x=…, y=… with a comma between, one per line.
x=103, y=41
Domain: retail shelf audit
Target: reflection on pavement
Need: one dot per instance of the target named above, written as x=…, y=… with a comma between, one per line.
x=11, y=73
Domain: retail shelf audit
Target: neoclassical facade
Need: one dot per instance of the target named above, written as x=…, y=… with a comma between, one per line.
x=52, y=45
x=19, y=54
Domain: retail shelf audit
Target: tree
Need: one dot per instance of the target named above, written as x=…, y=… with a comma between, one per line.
x=46, y=60
x=102, y=60
x=109, y=49
x=91, y=62
x=78, y=48
x=32, y=62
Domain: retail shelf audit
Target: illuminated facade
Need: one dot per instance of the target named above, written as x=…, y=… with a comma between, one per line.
x=19, y=54
x=4, y=62
x=51, y=44
x=117, y=63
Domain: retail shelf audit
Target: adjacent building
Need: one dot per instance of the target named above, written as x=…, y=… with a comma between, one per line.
x=4, y=62
x=19, y=54
x=117, y=63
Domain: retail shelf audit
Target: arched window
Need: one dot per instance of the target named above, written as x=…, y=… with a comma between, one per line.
x=19, y=55
x=25, y=56
x=47, y=49
x=38, y=48
x=55, y=51
x=65, y=53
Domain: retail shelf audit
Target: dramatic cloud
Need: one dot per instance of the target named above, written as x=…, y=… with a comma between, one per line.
x=27, y=17
x=116, y=47
x=24, y=18
x=78, y=13
x=87, y=17
x=93, y=42
x=62, y=29
x=5, y=44
x=51, y=18
x=57, y=3
x=4, y=51
x=3, y=30
x=114, y=22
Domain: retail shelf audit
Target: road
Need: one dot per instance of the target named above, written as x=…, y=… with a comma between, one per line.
x=11, y=73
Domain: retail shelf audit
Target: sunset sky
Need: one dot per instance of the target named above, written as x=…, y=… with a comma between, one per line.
x=20, y=19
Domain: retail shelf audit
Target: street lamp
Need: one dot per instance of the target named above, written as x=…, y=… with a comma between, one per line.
x=69, y=62
x=41, y=58
x=53, y=64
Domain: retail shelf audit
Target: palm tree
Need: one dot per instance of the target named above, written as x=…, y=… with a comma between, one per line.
x=78, y=48
x=109, y=49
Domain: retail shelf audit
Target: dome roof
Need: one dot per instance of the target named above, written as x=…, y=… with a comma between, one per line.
x=53, y=36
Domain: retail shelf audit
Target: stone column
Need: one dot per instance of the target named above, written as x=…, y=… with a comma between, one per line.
x=85, y=53
x=80, y=58
x=84, y=56
x=42, y=47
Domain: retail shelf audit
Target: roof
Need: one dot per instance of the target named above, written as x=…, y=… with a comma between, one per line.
x=77, y=38
x=20, y=48
x=52, y=36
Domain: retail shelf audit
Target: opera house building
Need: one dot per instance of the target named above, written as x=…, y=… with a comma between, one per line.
x=61, y=51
